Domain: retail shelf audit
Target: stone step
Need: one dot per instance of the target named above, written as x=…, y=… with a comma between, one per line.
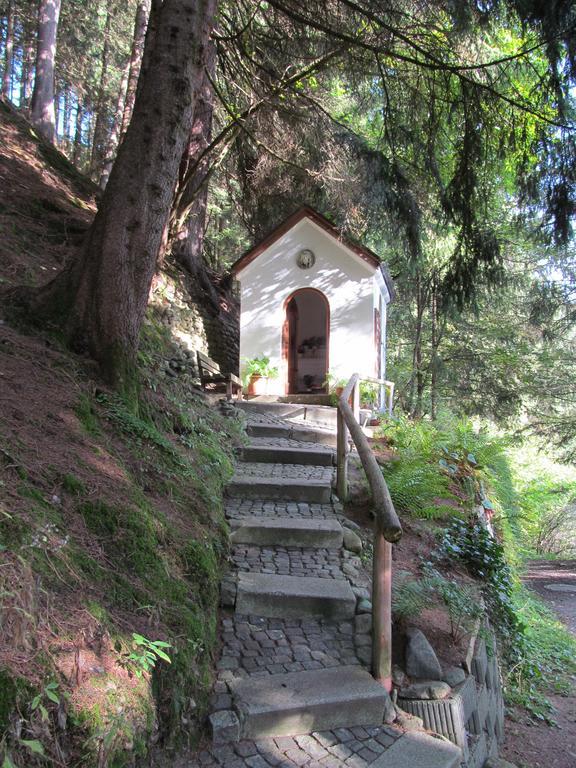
x=304, y=411
x=301, y=702
x=320, y=456
x=304, y=434
x=294, y=597
x=420, y=750
x=286, y=488
x=287, y=532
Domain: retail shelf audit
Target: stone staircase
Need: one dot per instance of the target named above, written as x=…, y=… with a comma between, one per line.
x=293, y=685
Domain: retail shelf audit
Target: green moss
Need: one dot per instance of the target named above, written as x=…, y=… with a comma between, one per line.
x=87, y=415
x=202, y=568
x=13, y=530
x=12, y=689
x=73, y=485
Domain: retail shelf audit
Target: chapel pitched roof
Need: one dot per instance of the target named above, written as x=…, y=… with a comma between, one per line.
x=309, y=213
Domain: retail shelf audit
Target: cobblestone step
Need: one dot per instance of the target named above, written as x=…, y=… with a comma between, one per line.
x=319, y=456
x=240, y=508
x=302, y=702
x=303, y=434
x=283, y=488
x=287, y=532
x=419, y=750
x=275, y=596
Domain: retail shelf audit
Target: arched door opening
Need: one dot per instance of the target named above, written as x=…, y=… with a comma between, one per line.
x=306, y=341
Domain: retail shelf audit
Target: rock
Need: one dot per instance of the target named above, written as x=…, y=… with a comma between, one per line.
x=426, y=689
x=389, y=711
x=398, y=676
x=421, y=661
x=228, y=590
x=350, y=524
x=364, y=606
x=453, y=676
x=407, y=721
x=352, y=541
x=363, y=623
x=225, y=726
x=361, y=593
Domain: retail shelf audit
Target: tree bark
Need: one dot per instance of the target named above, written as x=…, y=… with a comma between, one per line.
x=42, y=110
x=140, y=24
x=27, y=79
x=188, y=235
x=100, y=124
x=8, y=53
x=77, y=149
x=114, y=135
x=100, y=298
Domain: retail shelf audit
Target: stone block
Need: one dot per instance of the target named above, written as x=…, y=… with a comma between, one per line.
x=480, y=661
x=301, y=702
x=274, y=596
x=419, y=750
x=421, y=661
x=478, y=752
x=224, y=726
x=287, y=532
x=287, y=488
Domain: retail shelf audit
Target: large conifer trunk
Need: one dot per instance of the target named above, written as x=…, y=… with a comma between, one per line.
x=42, y=109
x=103, y=295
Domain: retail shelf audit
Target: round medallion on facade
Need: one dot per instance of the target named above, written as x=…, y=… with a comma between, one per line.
x=305, y=258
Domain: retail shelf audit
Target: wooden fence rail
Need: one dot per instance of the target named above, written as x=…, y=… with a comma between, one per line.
x=387, y=528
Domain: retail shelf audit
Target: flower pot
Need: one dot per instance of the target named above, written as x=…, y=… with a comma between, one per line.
x=258, y=385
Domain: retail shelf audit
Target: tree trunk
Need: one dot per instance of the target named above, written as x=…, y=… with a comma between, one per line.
x=42, y=110
x=140, y=24
x=27, y=82
x=435, y=343
x=114, y=135
x=188, y=236
x=101, y=297
x=8, y=53
x=100, y=124
x=77, y=150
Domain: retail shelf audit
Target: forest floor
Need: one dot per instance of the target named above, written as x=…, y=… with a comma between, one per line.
x=528, y=742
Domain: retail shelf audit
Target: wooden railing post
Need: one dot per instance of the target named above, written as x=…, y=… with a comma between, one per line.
x=356, y=401
x=382, y=609
x=341, y=457
x=387, y=527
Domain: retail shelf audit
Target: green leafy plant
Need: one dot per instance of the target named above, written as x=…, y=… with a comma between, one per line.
x=260, y=366
x=144, y=655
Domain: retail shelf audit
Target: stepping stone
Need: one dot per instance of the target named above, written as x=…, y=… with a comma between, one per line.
x=287, y=488
x=318, y=456
x=294, y=597
x=302, y=702
x=287, y=532
x=419, y=750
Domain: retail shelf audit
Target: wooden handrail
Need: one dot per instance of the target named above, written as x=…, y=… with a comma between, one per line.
x=386, y=530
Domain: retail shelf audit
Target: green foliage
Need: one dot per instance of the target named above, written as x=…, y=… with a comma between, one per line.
x=412, y=596
x=144, y=655
x=259, y=366
x=87, y=415
x=73, y=485
x=472, y=544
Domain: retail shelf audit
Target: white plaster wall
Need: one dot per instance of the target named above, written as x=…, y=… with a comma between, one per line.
x=346, y=281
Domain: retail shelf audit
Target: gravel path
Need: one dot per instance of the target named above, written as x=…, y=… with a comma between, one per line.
x=555, y=582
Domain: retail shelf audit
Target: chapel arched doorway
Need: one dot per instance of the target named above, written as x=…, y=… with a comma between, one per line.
x=306, y=342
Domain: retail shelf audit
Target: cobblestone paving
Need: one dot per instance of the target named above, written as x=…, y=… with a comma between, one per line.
x=286, y=442
x=253, y=646
x=299, y=561
x=256, y=647
x=265, y=508
x=289, y=561
x=350, y=747
x=288, y=471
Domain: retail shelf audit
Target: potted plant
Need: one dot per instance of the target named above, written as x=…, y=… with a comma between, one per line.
x=258, y=371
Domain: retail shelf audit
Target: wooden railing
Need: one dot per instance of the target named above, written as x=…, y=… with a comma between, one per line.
x=387, y=527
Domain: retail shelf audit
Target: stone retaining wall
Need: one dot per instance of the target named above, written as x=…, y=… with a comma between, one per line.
x=473, y=715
